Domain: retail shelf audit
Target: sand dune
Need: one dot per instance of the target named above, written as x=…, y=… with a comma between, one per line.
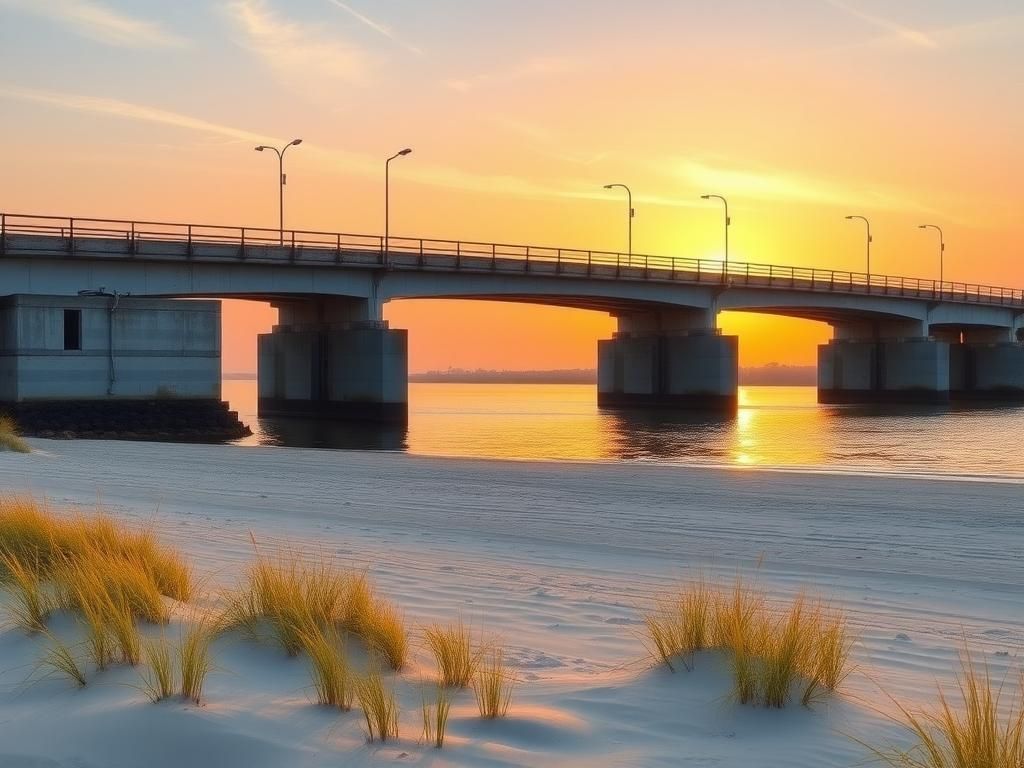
x=558, y=560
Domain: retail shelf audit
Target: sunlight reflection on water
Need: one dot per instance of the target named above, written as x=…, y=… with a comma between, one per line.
x=774, y=427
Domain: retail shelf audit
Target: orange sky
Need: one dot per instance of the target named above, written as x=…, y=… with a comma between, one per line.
x=518, y=113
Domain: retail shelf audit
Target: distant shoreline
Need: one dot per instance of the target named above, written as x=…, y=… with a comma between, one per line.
x=772, y=375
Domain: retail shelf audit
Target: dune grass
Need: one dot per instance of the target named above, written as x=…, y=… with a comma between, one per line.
x=452, y=647
x=10, y=438
x=380, y=707
x=99, y=640
x=30, y=604
x=978, y=729
x=828, y=659
x=89, y=559
x=194, y=661
x=435, y=717
x=775, y=652
x=293, y=595
x=784, y=653
x=383, y=630
x=493, y=685
x=329, y=668
x=158, y=678
x=682, y=626
x=60, y=659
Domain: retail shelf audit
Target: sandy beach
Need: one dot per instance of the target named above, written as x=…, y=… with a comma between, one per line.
x=557, y=560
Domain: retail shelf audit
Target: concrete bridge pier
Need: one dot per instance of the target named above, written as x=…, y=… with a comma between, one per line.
x=668, y=359
x=878, y=362
x=333, y=358
x=984, y=364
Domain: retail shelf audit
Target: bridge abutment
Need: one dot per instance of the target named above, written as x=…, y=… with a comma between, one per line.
x=333, y=359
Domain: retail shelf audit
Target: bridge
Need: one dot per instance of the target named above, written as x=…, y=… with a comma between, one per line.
x=895, y=338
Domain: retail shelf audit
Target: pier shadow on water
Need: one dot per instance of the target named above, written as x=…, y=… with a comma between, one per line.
x=315, y=433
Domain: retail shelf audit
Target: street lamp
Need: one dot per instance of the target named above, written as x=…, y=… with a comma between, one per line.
x=728, y=221
x=942, y=247
x=632, y=213
x=387, y=202
x=868, y=224
x=280, y=166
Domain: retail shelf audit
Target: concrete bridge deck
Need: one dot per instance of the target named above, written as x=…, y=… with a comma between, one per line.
x=895, y=337
x=48, y=237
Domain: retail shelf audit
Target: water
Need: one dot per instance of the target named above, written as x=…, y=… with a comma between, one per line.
x=775, y=427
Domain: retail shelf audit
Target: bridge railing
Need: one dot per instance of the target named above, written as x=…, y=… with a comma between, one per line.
x=28, y=235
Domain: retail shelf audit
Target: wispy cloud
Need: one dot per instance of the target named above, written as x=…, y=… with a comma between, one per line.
x=908, y=35
x=536, y=66
x=97, y=22
x=293, y=50
x=349, y=162
x=127, y=110
x=376, y=26
x=772, y=185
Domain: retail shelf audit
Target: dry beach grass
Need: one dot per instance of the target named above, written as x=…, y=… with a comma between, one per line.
x=775, y=651
x=10, y=439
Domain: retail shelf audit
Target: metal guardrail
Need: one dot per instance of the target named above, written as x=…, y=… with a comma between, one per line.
x=30, y=235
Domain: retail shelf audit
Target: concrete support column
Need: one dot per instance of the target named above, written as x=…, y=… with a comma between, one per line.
x=330, y=359
x=668, y=360
x=883, y=362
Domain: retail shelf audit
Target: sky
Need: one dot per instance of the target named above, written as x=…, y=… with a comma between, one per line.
x=519, y=111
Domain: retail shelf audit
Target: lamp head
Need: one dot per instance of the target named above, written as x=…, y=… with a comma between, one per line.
x=296, y=142
x=405, y=152
x=609, y=186
x=260, y=148
x=922, y=226
x=850, y=218
x=705, y=197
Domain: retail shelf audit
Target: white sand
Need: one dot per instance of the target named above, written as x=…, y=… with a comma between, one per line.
x=556, y=559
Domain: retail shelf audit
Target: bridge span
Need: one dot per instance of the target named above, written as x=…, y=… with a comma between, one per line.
x=895, y=338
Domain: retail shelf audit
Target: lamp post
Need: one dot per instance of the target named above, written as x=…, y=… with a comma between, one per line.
x=632, y=213
x=942, y=248
x=281, y=176
x=728, y=222
x=868, y=225
x=387, y=202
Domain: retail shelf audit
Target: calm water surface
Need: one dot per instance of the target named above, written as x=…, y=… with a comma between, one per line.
x=779, y=427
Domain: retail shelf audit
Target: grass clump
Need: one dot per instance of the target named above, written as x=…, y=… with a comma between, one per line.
x=452, y=648
x=295, y=596
x=194, y=660
x=10, y=438
x=384, y=631
x=158, y=680
x=681, y=627
x=60, y=659
x=493, y=686
x=979, y=730
x=828, y=660
x=380, y=707
x=785, y=654
x=435, y=717
x=30, y=604
x=774, y=652
x=92, y=560
x=332, y=678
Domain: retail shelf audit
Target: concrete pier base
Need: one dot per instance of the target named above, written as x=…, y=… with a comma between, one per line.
x=909, y=370
x=692, y=370
x=354, y=373
x=987, y=371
